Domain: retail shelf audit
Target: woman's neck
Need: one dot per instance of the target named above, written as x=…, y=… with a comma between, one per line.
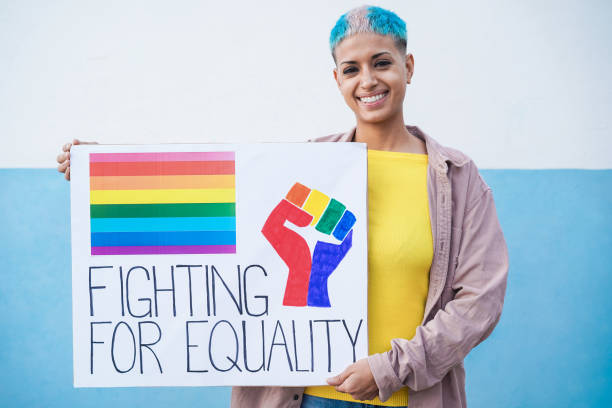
x=391, y=136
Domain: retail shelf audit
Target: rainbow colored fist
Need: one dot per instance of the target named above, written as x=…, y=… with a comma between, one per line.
x=307, y=279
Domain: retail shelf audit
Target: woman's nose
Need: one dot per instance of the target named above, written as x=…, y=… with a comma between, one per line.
x=368, y=79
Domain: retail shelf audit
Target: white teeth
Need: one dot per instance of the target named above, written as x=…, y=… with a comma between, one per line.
x=370, y=99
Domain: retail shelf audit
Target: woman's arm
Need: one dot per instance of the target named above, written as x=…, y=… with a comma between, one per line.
x=479, y=284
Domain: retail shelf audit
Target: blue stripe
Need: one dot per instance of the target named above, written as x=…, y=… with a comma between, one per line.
x=163, y=238
x=163, y=224
x=344, y=225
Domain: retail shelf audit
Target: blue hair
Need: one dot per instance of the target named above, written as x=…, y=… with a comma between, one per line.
x=369, y=19
x=338, y=33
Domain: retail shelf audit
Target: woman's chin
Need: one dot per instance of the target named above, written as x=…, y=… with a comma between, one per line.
x=373, y=118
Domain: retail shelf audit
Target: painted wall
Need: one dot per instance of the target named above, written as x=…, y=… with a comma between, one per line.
x=519, y=85
x=550, y=349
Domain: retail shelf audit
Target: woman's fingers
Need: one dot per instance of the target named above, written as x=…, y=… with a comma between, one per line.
x=356, y=380
x=340, y=378
x=62, y=167
x=62, y=157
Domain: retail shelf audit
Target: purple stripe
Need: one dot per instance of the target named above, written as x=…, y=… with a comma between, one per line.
x=165, y=156
x=163, y=250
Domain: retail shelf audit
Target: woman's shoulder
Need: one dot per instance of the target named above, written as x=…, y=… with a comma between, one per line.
x=461, y=169
x=466, y=177
x=441, y=152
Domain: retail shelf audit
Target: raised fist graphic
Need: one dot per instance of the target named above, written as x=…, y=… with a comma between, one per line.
x=303, y=207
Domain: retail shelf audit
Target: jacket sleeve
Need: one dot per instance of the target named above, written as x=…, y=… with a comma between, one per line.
x=443, y=342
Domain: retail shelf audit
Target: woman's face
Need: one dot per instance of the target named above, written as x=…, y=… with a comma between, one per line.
x=372, y=74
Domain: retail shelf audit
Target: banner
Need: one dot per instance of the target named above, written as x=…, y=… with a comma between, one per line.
x=218, y=264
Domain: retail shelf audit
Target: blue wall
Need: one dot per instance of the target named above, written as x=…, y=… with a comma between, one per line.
x=550, y=349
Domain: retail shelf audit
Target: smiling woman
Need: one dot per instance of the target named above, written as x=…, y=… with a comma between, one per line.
x=437, y=258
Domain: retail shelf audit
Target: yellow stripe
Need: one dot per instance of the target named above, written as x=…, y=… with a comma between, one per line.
x=315, y=205
x=210, y=195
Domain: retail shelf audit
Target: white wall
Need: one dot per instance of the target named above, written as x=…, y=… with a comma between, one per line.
x=514, y=84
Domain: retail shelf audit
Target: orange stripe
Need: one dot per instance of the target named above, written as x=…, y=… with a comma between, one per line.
x=160, y=182
x=298, y=194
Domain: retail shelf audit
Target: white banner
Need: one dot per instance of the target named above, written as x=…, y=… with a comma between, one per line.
x=218, y=264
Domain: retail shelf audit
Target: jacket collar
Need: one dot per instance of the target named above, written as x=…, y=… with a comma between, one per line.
x=439, y=156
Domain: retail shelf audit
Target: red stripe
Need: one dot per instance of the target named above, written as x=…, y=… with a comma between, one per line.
x=161, y=168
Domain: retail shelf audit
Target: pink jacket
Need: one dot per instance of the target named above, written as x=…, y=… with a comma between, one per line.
x=467, y=283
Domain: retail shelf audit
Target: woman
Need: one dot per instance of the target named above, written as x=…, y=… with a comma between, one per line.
x=437, y=257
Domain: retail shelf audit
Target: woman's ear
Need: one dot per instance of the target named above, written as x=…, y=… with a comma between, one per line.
x=336, y=77
x=409, y=67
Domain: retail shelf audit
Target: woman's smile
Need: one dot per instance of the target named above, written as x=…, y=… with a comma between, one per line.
x=373, y=100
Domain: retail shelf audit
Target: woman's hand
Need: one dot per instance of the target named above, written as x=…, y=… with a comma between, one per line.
x=64, y=158
x=356, y=380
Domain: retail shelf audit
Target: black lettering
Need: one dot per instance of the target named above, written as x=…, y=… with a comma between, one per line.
x=246, y=298
x=207, y=293
x=263, y=348
x=121, y=286
x=155, y=290
x=189, y=345
x=236, y=299
x=327, y=322
x=311, y=347
x=147, y=313
x=113, y=347
x=284, y=343
x=235, y=360
x=190, y=291
x=91, y=288
x=295, y=357
x=353, y=341
x=92, y=342
x=147, y=345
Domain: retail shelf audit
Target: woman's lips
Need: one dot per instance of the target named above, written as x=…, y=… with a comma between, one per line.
x=375, y=100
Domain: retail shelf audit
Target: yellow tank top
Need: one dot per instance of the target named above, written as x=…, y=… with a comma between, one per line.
x=400, y=252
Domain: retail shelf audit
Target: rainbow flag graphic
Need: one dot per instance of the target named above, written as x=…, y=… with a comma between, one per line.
x=162, y=203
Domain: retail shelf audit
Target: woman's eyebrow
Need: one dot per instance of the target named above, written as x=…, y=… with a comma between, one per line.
x=379, y=54
x=373, y=57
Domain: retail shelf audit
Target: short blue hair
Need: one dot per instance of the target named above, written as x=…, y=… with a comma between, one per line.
x=369, y=19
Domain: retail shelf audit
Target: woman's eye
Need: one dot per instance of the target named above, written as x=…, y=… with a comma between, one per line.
x=382, y=63
x=349, y=70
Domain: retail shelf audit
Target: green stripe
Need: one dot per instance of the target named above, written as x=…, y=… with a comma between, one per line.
x=163, y=210
x=330, y=217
